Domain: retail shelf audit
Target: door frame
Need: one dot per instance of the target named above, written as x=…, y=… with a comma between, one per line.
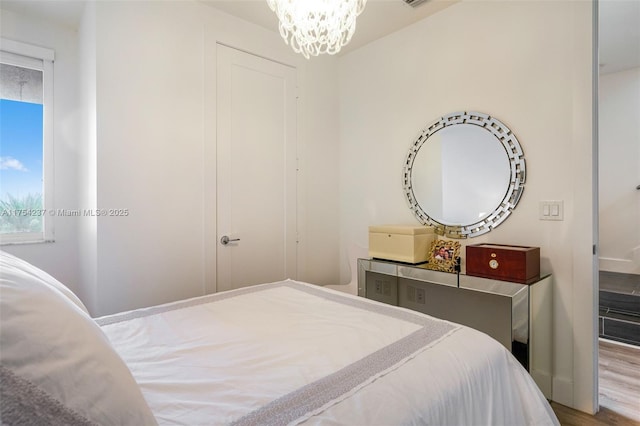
x=210, y=158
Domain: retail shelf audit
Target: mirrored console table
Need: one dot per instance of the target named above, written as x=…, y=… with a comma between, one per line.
x=516, y=315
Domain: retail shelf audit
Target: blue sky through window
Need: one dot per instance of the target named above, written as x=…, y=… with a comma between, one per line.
x=20, y=148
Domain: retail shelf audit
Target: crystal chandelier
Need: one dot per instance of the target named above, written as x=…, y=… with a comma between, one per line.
x=313, y=27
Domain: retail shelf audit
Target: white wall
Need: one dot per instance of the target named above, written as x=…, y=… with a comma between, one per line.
x=155, y=149
x=619, y=171
x=60, y=258
x=135, y=129
x=87, y=158
x=320, y=215
x=528, y=64
x=149, y=86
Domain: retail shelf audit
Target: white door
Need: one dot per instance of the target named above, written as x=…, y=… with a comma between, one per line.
x=256, y=170
x=619, y=172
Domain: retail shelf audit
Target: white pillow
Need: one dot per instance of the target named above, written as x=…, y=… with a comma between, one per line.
x=47, y=339
x=11, y=264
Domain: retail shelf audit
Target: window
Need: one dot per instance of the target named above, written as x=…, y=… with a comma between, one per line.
x=26, y=143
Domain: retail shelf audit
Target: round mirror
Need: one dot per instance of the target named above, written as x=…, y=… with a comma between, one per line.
x=464, y=174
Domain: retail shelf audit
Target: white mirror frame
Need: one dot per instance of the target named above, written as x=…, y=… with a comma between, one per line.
x=517, y=178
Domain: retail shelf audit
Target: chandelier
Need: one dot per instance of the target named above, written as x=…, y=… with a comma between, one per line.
x=313, y=27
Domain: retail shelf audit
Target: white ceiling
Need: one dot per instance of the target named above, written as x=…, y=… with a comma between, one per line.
x=379, y=18
x=619, y=33
x=63, y=12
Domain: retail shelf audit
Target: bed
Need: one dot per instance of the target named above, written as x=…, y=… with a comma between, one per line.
x=274, y=354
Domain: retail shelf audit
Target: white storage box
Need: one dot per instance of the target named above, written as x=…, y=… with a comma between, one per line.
x=401, y=243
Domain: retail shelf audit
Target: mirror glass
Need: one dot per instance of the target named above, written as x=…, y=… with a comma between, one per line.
x=464, y=174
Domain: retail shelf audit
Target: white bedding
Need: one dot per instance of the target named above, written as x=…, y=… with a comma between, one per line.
x=57, y=367
x=294, y=353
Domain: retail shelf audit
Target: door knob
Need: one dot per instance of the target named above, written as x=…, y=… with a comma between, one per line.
x=226, y=240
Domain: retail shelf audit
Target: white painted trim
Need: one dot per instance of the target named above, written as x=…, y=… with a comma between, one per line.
x=615, y=342
x=48, y=159
x=25, y=49
x=22, y=238
x=21, y=60
x=595, y=301
x=623, y=266
x=41, y=58
x=209, y=161
x=563, y=391
x=544, y=381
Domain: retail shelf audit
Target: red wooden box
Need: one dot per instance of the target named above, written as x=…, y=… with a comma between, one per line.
x=503, y=262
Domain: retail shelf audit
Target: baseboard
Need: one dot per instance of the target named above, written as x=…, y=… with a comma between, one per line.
x=544, y=381
x=623, y=266
x=562, y=391
x=615, y=342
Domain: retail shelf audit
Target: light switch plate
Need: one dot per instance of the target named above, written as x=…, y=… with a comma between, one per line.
x=552, y=210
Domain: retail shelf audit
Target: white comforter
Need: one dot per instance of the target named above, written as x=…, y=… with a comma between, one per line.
x=257, y=355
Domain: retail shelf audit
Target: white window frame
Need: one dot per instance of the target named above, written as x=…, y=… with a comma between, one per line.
x=40, y=58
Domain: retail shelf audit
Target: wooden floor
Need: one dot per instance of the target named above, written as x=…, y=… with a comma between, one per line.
x=619, y=393
x=604, y=417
